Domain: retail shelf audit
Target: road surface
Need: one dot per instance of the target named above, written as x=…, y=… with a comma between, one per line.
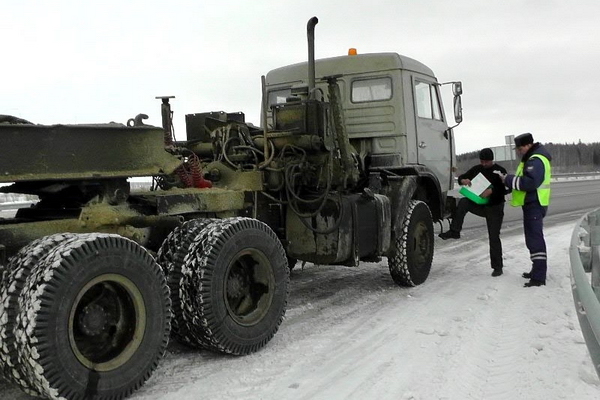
x=351, y=333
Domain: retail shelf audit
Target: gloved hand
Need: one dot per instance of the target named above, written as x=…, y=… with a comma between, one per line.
x=501, y=175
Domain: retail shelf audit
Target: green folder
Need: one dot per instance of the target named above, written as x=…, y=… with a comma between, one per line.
x=472, y=196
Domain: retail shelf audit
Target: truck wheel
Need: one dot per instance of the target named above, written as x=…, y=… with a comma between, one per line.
x=166, y=254
x=94, y=319
x=171, y=257
x=15, y=275
x=412, y=251
x=235, y=282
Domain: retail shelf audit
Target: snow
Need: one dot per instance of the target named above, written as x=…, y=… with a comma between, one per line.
x=351, y=333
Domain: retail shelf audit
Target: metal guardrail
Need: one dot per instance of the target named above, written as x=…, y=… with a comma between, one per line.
x=575, y=175
x=584, y=253
x=16, y=205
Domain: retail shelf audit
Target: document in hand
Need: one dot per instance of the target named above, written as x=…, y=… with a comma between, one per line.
x=478, y=185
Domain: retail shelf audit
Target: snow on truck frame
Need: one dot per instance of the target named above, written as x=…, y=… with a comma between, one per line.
x=353, y=163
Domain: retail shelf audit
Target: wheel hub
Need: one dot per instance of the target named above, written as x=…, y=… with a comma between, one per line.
x=422, y=243
x=249, y=287
x=92, y=320
x=235, y=285
x=107, y=321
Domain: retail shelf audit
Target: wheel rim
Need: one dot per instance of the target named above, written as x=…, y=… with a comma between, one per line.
x=421, y=243
x=107, y=322
x=249, y=287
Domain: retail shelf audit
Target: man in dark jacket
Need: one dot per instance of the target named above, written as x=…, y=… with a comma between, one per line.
x=493, y=211
x=530, y=187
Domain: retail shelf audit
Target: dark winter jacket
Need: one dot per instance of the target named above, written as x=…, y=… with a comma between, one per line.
x=533, y=174
x=498, y=189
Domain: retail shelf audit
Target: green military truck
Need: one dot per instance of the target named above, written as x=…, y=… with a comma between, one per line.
x=353, y=162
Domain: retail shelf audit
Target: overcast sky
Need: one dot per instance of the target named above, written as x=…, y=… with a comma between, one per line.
x=526, y=66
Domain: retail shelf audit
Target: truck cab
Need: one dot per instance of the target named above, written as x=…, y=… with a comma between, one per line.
x=393, y=116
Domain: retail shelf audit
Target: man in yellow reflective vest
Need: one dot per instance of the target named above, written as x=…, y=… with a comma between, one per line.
x=530, y=187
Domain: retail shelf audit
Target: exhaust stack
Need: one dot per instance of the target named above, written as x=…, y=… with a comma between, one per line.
x=310, y=31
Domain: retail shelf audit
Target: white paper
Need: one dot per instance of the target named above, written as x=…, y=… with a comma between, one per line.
x=479, y=184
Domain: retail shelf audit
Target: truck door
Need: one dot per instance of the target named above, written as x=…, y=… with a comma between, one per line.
x=434, y=148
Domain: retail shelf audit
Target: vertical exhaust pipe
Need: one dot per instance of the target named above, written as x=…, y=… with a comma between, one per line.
x=310, y=32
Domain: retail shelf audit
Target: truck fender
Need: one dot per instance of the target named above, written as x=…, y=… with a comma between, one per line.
x=402, y=191
x=429, y=184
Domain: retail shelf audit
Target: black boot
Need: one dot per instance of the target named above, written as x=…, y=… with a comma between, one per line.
x=527, y=275
x=534, y=282
x=450, y=235
x=497, y=272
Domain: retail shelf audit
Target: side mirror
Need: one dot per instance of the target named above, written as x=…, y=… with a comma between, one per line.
x=457, y=109
x=457, y=88
x=457, y=91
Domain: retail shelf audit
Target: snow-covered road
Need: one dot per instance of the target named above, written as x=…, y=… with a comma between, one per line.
x=351, y=333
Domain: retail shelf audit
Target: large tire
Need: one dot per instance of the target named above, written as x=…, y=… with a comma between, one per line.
x=411, y=252
x=94, y=319
x=235, y=286
x=13, y=280
x=170, y=256
x=166, y=255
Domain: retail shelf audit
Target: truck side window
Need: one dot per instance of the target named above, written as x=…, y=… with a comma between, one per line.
x=423, y=100
x=435, y=103
x=426, y=99
x=371, y=90
x=278, y=96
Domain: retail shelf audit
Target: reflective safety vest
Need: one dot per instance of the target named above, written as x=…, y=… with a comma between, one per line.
x=543, y=192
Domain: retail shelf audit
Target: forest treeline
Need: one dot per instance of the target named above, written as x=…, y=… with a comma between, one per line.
x=566, y=158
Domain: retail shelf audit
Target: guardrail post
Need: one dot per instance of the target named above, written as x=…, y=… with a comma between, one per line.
x=594, y=223
x=585, y=252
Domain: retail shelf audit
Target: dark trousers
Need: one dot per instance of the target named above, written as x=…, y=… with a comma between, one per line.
x=533, y=226
x=493, y=216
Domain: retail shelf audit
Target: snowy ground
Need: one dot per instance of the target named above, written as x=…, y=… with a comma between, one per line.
x=350, y=333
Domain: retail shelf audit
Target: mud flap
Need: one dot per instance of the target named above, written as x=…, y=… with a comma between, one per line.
x=402, y=191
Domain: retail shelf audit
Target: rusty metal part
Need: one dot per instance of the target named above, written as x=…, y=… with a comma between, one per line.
x=282, y=139
x=234, y=179
x=263, y=118
x=167, y=119
x=347, y=157
x=189, y=201
x=138, y=120
x=61, y=152
x=350, y=228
